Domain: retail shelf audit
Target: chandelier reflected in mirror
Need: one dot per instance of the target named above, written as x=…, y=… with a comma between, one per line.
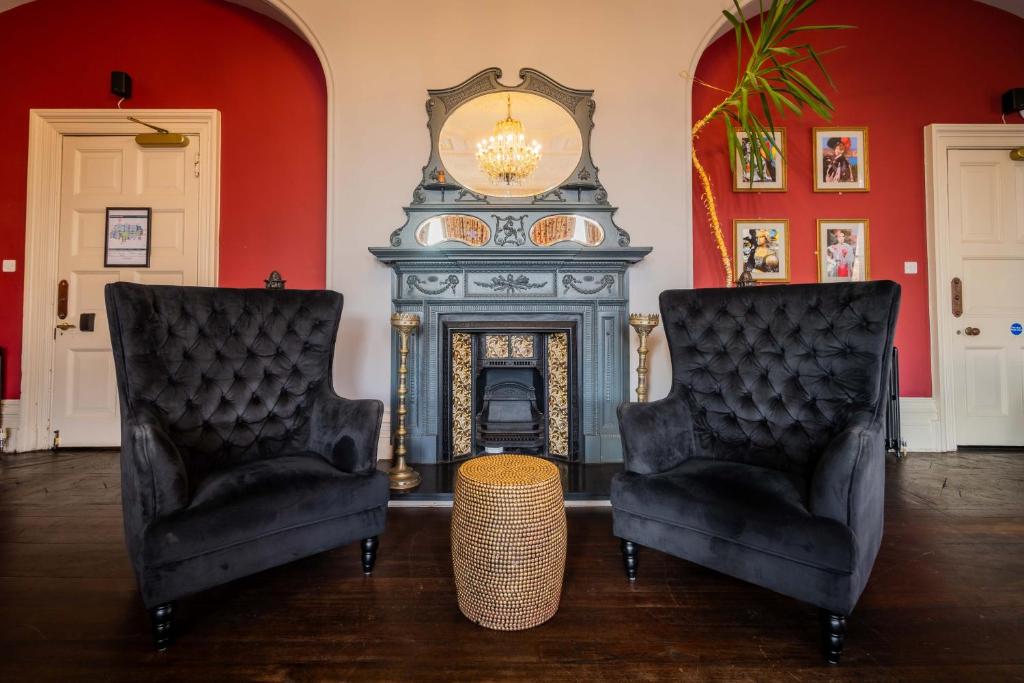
x=505, y=156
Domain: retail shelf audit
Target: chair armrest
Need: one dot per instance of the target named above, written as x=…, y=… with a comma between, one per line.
x=345, y=432
x=153, y=475
x=656, y=436
x=849, y=481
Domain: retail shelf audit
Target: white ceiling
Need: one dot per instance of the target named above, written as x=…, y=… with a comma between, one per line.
x=1011, y=6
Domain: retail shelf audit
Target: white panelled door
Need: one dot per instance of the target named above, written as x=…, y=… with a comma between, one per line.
x=98, y=172
x=986, y=251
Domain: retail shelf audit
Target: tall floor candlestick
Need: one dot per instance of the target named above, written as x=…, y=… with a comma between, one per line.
x=643, y=323
x=402, y=476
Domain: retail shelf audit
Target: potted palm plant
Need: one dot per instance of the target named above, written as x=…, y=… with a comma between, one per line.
x=770, y=82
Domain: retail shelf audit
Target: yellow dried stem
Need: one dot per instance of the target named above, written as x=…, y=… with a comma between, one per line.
x=708, y=198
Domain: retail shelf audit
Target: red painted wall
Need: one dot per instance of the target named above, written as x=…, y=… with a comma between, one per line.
x=908, y=64
x=190, y=54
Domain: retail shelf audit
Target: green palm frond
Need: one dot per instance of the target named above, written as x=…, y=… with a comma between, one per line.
x=772, y=80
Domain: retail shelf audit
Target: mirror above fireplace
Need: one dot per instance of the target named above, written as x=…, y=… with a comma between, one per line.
x=477, y=130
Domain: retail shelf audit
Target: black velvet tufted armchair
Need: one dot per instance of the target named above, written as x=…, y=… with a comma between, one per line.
x=766, y=461
x=236, y=454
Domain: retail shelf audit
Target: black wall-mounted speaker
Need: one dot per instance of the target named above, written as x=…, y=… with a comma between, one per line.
x=121, y=84
x=1013, y=100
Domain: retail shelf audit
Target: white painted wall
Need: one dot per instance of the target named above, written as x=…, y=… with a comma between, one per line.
x=383, y=56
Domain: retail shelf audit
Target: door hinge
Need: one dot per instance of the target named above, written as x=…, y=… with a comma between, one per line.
x=195, y=165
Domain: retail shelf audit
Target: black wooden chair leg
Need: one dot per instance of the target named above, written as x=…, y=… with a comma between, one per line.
x=369, y=546
x=833, y=631
x=630, y=558
x=162, y=618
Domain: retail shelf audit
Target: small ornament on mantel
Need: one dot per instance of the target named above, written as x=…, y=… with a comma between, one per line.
x=274, y=281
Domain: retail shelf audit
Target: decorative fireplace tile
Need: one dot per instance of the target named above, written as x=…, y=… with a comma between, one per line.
x=462, y=395
x=558, y=394
x=522, y=346
x=496, y=346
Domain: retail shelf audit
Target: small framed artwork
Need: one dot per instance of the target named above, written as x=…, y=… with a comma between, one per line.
x=763, y=247
x=772, y=178
x=841, y=160
x=127, y=240
x=842, y=250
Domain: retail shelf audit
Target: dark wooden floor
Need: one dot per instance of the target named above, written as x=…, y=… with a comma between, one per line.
x=945, y=602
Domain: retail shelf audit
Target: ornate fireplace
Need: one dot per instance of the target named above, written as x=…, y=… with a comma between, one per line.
x=522, y=290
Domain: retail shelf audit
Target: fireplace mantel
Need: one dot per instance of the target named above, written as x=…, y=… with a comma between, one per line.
x=467, y=260
x=588, y=289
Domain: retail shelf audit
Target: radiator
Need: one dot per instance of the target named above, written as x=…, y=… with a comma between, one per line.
x=893, y=439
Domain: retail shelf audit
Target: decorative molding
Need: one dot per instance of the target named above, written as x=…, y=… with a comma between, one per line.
x=507, y=232
x=473, y=196
x=47, y=128
x=919, y=424
x=552, y=195
x=509, y=284
x=478, y=83
x=570, y=282
x=416, y=283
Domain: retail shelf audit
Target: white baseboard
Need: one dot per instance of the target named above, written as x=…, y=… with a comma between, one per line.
x=10, y=414
x=919, y=424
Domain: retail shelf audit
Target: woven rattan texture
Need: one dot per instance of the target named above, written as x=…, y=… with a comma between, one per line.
x=508, y=541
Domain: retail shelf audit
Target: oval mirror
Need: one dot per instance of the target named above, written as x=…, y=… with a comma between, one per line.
x=453, y=227
x=566, y=227
x=475, y=148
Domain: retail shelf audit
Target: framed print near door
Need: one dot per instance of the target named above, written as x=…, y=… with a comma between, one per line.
x=763, y=247
x=127, y=240
x=840, y=160
x=745, y=177
x=842, y=250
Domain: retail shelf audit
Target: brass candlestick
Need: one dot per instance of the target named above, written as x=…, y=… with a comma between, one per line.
x=402, y=476
x=643, y=323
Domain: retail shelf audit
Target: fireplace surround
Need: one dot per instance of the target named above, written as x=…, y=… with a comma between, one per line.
x=509, y=386
x=535, y=284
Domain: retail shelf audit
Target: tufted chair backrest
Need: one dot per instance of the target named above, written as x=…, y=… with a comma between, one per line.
x=771, y=374
x=232, y=373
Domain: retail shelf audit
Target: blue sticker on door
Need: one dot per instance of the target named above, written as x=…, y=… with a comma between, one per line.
x=1016, y=329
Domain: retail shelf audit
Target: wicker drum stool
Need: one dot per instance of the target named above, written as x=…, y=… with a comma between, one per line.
x=508, y=541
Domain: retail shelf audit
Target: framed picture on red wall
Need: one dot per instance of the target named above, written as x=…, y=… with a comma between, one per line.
x=772, y=178
x=762, y=246
x=842, y=249
x=841, y=160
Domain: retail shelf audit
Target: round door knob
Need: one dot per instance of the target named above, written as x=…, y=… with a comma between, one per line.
x=972, y=331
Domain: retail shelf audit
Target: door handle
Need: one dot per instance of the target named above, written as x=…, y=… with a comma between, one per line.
x=64, y=327
x=972, y=331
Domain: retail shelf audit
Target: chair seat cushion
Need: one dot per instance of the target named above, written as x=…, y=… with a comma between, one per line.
x=760, y=509
x=258, y=499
